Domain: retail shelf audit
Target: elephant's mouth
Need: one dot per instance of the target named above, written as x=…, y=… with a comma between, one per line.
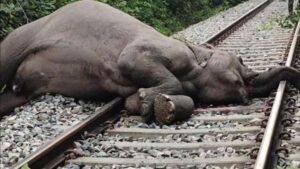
x=248, y=85
x=249, y=88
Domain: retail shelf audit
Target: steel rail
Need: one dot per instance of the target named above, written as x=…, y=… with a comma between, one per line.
x=52, y=154
x=265, y=147
x=237, y=23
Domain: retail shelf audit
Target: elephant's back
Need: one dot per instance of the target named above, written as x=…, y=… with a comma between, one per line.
x=95, y=25
x=85, y=24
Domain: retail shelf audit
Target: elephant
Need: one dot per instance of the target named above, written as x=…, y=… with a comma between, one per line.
x=90, y=50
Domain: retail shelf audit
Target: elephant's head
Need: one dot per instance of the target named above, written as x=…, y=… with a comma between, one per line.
x=224, y=78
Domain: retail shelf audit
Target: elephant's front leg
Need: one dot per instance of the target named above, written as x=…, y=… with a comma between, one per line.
x=171, y=108
x=167, y=108
x=152, y=76
x=164, y=82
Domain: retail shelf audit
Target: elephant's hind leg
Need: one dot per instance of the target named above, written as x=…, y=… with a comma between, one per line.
x=9, y=100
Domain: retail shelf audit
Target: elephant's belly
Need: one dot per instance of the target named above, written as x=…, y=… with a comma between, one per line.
x=37, y=83
x=78, y=85
x=71, y=71
x=80, y=88
x=69, y=81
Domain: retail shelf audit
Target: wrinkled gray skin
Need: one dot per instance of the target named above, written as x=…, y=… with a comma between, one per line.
x=90, y=50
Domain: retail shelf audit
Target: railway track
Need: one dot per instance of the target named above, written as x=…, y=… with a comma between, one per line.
x=232, y=136
x=287, y=149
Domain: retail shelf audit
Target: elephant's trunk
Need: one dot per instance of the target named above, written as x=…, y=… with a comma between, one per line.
x=265, y=82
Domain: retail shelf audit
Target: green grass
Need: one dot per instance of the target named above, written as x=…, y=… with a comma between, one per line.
x=290, y=21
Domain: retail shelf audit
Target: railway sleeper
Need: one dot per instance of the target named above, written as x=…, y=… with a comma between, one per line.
x=137, y=132
x=224, y=161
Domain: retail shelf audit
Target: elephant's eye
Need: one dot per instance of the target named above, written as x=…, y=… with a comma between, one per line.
x=241, y=61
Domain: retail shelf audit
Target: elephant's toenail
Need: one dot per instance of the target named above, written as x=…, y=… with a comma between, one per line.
x=166, y=97
x=142, y=95
x=172, y=106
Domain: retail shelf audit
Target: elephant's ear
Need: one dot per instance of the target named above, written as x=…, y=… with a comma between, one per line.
x=201, y=53
x=240, y=60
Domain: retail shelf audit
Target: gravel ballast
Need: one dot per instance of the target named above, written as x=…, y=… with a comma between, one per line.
x=38, y=122
x=200, y=32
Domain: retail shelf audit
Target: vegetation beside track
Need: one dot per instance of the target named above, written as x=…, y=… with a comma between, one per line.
x=290, y=21
x=167, y=16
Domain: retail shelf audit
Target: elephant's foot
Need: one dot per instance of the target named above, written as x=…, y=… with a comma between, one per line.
x=164, y=109
x=168, y=109
x=146, y=104
x=132, y=105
